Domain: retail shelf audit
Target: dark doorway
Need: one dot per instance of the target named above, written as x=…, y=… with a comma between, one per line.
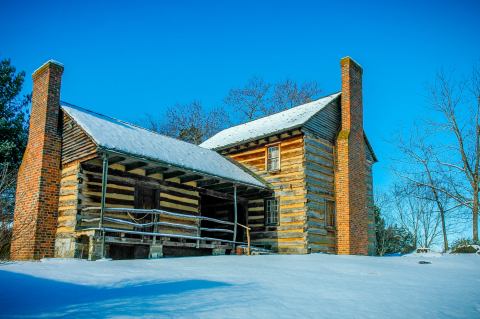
x=222, y=209
x=145, y=198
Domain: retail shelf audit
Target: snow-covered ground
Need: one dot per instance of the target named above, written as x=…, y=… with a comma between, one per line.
x=275, y=286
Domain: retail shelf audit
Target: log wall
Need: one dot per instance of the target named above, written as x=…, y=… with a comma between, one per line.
x=174, y=197
x=67, y=210
x=76, y=144
x=319, y=179
x=289, y=187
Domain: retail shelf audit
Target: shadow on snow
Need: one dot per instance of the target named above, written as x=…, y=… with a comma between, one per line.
x=26, y=295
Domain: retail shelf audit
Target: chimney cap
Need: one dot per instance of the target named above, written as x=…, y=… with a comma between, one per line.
x=348, y=59
x=46, y=65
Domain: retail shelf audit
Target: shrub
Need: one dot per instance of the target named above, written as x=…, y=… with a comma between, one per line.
x=465, y=246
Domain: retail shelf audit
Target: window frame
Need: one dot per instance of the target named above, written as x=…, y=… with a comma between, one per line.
x=330, y=218
x=267, y=152
x=268, y=219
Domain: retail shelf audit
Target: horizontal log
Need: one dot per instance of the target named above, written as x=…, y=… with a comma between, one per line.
x=132, y=179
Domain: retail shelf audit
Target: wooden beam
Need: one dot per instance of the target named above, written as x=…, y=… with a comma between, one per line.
x=132, y=179
x=220, y=186
x=240, y=189
x=155, y=170
x=256, y=193
x=115, y=160
x=173, y=174
x=134, y=165
x=286, y=134
x=216, y=194
x=190, y=178
x=208, y=182
x=253, y=143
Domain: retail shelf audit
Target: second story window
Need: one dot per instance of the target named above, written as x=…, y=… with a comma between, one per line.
x=273, y=158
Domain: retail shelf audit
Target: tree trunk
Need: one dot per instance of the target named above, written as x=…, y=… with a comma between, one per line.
x=475, y=217
x=444, y=231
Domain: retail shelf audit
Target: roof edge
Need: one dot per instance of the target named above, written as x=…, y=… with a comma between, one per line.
x=274, y=132
x=375, y=159
x=109, y=150
x=104, y=148
x=79, y=125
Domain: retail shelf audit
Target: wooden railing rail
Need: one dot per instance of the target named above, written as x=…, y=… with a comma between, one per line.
x=248, y=237
x=157, y=213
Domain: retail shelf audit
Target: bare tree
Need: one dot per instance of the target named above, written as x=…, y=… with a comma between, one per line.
x=250, y=101
x=259, y=98
x=444, y=156
x=458, y=103
x=425, y=176
x=414, y=211
x=188, y=122
x=288, y=94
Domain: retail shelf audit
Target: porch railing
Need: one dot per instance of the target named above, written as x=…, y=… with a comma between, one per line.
x=156, y=221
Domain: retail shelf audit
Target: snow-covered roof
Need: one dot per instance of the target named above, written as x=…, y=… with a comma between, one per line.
x=119, y=136
x=269, y=125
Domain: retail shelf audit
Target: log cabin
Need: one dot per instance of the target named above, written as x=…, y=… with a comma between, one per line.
x=296, y=182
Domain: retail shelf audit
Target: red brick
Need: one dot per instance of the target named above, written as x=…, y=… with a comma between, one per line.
x=36, y=208
x=350, y=173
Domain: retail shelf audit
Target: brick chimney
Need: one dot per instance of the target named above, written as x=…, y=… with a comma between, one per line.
x=36, y=201
x=350, y=174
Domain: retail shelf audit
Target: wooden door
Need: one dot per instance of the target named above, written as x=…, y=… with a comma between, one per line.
x=146, y=198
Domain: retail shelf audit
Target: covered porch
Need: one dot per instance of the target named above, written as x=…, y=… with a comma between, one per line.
x=133, y=207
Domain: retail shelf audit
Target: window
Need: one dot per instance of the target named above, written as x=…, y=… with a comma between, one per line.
x=329, y=213
x=271, y=212
x=273, y=158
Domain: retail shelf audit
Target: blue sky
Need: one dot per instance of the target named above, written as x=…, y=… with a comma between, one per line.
x=129, y=58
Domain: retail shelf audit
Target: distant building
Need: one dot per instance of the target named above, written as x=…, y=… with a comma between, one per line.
x=92, y=186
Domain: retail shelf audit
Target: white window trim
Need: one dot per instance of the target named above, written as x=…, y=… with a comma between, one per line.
x=267, y=147
x=268, y=221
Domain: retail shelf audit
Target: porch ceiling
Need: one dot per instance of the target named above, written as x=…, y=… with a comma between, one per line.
x=213, y=185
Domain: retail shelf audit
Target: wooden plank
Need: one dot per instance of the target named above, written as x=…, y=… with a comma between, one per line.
x=173, y=174
x=190, y=178
x=135, y=165
x=115, y=159
x=128, y=179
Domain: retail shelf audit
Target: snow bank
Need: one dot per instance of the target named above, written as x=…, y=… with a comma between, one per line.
x=270, y=286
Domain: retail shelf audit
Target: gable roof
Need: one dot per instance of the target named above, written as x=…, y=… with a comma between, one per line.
x=269, y=125
x=114, y=135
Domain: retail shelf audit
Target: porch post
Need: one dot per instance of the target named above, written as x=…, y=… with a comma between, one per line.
x=102, y=204
x=235, y=215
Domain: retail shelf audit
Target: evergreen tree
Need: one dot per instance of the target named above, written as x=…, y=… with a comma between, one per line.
x=391, y=239
x=13, y=140
x=13, y=119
